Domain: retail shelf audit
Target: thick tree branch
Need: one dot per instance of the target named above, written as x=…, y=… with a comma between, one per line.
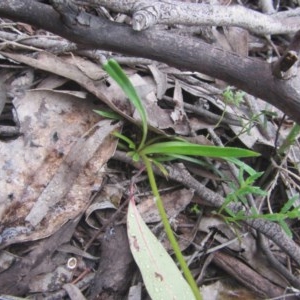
x=284, y=67
x=147, y=13
x=251, y=75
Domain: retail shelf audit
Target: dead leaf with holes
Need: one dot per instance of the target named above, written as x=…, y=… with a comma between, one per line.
x=49, y=172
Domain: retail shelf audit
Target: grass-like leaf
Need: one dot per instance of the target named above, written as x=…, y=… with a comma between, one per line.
x=287, y=206
x=115, y=71
x=185, y=148
x=108, y=114
x=160, y=167
x=199, y=162
x=124, y=138
x=241, y=165
x=252, y=178
x=286, y=228
x=290, y=139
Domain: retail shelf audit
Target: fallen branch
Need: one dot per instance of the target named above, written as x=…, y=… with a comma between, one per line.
x=251, y=75
x=147, y=13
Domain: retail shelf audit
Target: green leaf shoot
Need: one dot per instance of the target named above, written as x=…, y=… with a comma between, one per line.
x=116, y=72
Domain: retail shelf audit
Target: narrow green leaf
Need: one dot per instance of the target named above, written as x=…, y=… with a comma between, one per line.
x=124, y=138
x=199, y=162
x=293, y=214
x=252, y=178
x=246, y=190
x=289, y=204
x=186, y=148
x=108, y=114
x=242, y=165
x=161, y=276
x=116, y=72
x=241, y=177
x=206, y=165
x=122, y=146
x=290, y=139
x=286, y=228
x=230, y=212
x=160, y=167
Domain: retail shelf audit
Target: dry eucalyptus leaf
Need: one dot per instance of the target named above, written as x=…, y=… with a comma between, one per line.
x=111, y=95
x=161, y=276
x=62, y=67
x=51, y=169
x=160, y=80
x=6, y=260
x=50, y=282
x=97, y=208
x=52, y=81
x=73, y=291
x=87, y=67
x=158, y=117
x=174, y=203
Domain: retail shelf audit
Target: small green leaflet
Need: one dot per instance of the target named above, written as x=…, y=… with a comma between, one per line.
x=108, y=114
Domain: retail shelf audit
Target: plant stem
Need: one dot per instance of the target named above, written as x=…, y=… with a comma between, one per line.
x=184, y=267
x=290, y=139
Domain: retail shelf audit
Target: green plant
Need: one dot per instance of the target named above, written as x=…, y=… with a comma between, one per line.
x=290, y=139
x=195, y=209
x=253, y=121
x=153, y=152
x=246, y=187
x=233, y=98
x=285, y=213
